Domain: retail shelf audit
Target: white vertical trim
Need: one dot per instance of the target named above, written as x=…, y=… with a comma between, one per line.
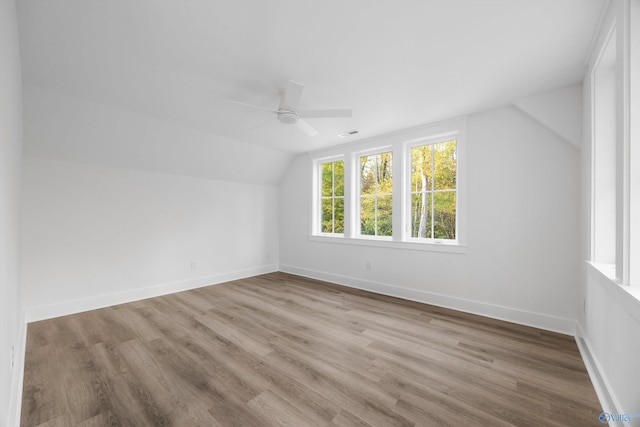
x=634, y=141
x=461, y=184
x=397, y=221
x=17, y=377
x=350, y=208
x=623, y=263
x=604, y=241
x=313, y=226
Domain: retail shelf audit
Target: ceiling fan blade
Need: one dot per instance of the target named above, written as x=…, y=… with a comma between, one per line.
x=306, y=128
x=262, y=123
x=312, y=114
x=252, y=106
x=292, y=95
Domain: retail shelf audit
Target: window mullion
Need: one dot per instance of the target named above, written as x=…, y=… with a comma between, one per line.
x=399, y=194
x=333, y=197
x=350, y=198
x=433, y=194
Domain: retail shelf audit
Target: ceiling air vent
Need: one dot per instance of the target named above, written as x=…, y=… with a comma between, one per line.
x=346, y=134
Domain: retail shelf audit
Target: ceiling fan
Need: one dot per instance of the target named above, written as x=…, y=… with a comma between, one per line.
x=287, y=112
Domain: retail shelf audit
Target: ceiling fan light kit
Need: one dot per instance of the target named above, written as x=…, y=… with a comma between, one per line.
x=287, y=114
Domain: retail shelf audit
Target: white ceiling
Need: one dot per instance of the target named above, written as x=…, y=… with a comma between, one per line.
x=396, y=63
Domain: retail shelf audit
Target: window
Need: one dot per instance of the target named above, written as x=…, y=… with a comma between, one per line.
x=403, y=190
x=332, y=197
x=613, y=94
x=376, y=194
x=433, y=190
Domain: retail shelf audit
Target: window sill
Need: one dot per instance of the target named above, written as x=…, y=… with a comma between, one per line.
x=626, y=296
x=453, y=248
x=607, y=270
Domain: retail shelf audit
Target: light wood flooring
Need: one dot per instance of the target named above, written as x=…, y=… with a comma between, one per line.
x=279, y=350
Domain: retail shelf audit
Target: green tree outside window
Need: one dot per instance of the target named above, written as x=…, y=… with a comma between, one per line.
x=376, y=200
x=433, y=190
x=332, y=197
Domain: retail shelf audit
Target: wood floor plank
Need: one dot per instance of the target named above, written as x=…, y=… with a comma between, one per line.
x=132, y=403
x=280, y=349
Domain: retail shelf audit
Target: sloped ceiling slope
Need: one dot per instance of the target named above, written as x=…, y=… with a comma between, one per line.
x=397, y=64
x=69, y=128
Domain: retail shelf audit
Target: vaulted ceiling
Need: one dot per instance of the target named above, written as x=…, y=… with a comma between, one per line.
x=396, y=63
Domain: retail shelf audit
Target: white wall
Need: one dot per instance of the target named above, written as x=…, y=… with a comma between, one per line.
x=559, y=109
x=522, y=222
x=11, y=327
x=117, y=205
x=95, y=236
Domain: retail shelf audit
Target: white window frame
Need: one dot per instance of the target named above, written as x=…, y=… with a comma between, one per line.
x=604, y=148
x=358, y=156
x=632, y=127
x=620, y=31
x=408, y=191
x=317, y=194
x=400, y=144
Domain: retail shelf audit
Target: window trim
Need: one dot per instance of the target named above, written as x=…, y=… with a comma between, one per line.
x=618, y=31
x=604, y=230
x=397, y=142
x=317, y=195
x=407, y=191
x=358, y=187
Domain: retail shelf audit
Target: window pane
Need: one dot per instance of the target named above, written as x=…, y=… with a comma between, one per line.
x=327, y=216
x=332, y=197
x=421, y=215
x=338, y=178
x=384, y=172
x=368, y=216
x=445, y=215
x=367, y=175
x=339, y=215
x=376, y=187
x=327, y=179
x=385, y=210
x=445, y=159
x=421, y=168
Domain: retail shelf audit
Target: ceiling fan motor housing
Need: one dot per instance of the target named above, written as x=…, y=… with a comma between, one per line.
x=288, y=117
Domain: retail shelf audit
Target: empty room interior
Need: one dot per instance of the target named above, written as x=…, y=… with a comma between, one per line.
x=358, y=213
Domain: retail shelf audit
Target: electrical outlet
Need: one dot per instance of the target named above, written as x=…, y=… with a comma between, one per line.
x=193, y=265
x=13, y=356
x=367, y=265
x=584, y=306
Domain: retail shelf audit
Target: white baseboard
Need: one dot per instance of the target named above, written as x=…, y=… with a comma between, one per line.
x=537, y=320
x=15, y=399
x=42, y=312
x=604, y=391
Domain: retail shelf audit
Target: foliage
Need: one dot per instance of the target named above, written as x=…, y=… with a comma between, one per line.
x=332, y=197
x=433, y=193
x=433, y=190
x=376, y=200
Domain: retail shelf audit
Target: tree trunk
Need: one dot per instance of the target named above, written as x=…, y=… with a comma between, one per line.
x=422, y=230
